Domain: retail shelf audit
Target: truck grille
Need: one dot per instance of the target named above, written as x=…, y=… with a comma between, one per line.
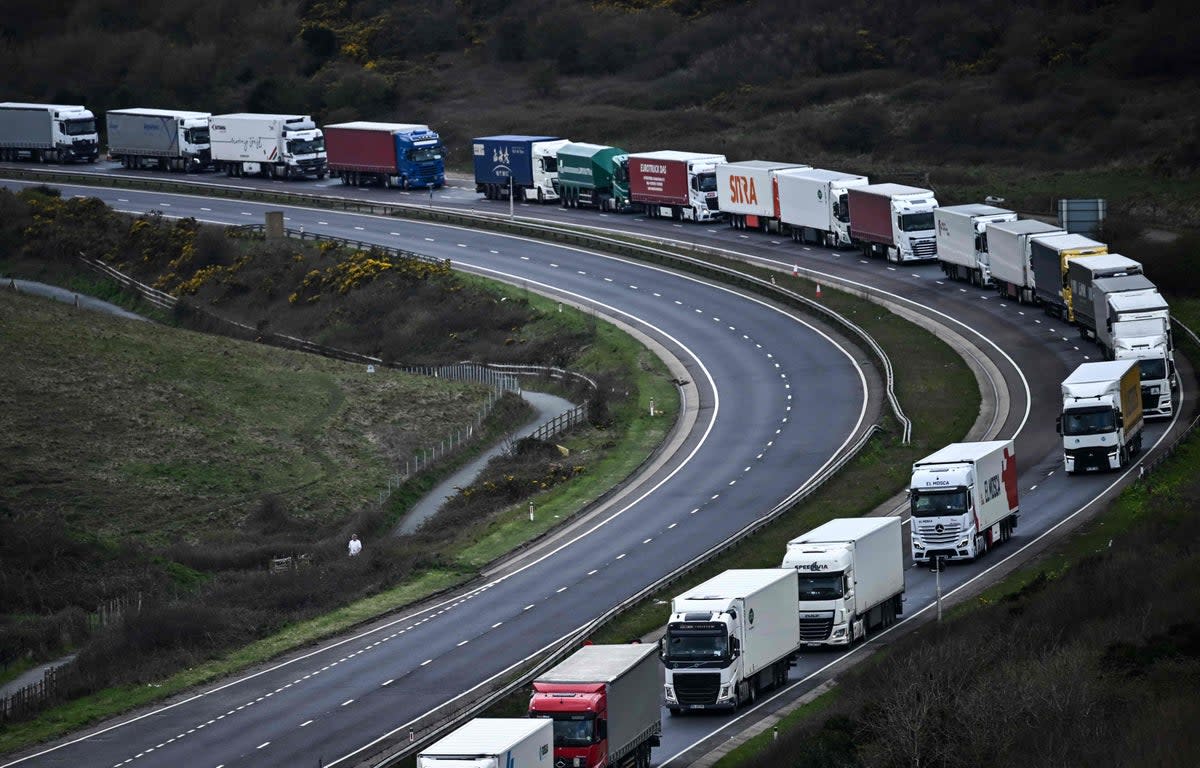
x=812, y=630
x=1089, y=457
x=927, y=531
x=925, y=249
x=1149, y=401
x=697, y=688
x=713, y=204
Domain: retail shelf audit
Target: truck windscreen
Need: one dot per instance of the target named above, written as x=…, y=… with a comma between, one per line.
x=425, y=154
x=306, y=146
x=571, y=730
x=78, y=127
x=1153, y=368
x=916, y=222
x=707, y=182
x=939, y=503
x=696, y=646
x=1089, y=421
x=196, y=135
x=824, y=586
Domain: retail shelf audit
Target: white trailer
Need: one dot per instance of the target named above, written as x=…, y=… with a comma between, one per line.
x=962, y=246
x=730, y=638
x=851, y=578
x=500, y=742
x=1134, y=323
x=162, y=139
x=812, y=204
x=1101, y=422
x=48, y=133
x=746, y=193
x=1008, y=256
x=279, y=146
x=964, y=500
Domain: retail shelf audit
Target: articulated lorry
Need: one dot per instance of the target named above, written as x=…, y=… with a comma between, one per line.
x=604, y=702
x=851, y=578
x=48, y=133
x=893, y=220
x=747, y=193
x=159, y=139
x=277, y=146
x=1101, y=422
x=674, y=185
x=813, y=204
x=1009, y=245
x=500, y=742
x=962, y=241
x=1082, y=274
x=1050, y=257
x=517, y=166
x=404, y=155
x=963, y=500
x=585, y=177
x=730, y=638
x=1133, y=322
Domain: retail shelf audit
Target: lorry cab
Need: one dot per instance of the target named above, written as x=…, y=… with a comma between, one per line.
x=620, y=182
x=419, y=157
x=708, y=642
x=580, y=715
x=826, y=593
x=545, y=169
x=703, y=189
x=914, y=236
x=304, y=152
x=940, y=501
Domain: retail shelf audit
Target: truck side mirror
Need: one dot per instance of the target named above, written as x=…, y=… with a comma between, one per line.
x=735, y=647
x=1058, y=425
x=662, y=647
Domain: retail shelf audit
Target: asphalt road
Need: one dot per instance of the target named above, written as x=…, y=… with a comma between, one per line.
x=1031, y=352
x=755, y=372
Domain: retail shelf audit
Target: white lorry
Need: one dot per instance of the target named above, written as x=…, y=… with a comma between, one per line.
x=1101, y=421
x=1137, y=325
x=501, y=742
x=893, y=220
x=161, y=139
x=963, y=500
x=603, y=700
x=48, y=133
x=851, y=578
x=962, y=245
x=730, y=638
x=813, y=205
x=279, y=146
x=747, y=195
x=1008, y=256
x=671, y=184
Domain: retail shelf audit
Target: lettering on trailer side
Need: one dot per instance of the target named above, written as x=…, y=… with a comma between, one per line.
x=651, y=168
x=741, y=190
x=991, y=489
x=1009, y=471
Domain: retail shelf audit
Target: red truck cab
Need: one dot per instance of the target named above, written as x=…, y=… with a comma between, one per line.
x=580, y=715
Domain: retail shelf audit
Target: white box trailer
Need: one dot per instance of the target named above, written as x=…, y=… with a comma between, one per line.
x=730, y=638
x=851, y=574
x=48, y=133
x=1009, y=259
x=812, y=204
x=746, y=193
x=280, y=146
x=500, y=742
x=163, y=139
x=962, y=247
x=964, y=500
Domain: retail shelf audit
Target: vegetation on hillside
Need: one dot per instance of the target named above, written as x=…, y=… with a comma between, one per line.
x=1043, y=88
x=170, y=467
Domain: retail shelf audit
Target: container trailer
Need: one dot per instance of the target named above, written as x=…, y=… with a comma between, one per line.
x=501, y=742
x=277, y=146
x=521, y=167
x=674, y=185
x=963, y=500
x=585, y=177
x=1009, y=256
x=48, y=133
x=1082, y=275
x=893, y=220
x=403, y=155
x=730, y=638
x=1050, y=256
x=851, y=574
x=962, y=245
x=747, y=195
x=159, y=139
x=604, y=702
x=813, y=204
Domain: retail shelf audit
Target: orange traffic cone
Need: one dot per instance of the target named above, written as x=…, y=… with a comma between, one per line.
x=795, y=270
x=818, y=290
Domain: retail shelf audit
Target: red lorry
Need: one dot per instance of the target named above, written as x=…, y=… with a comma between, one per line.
x=676, y=185
x=604, y=701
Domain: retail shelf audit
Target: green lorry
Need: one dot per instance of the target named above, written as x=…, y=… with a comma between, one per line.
x=585, y=177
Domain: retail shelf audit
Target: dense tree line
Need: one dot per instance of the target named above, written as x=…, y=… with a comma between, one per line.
x=1064, y=82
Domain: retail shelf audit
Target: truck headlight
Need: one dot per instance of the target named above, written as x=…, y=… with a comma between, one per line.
x=918, y=545
x=670, y=693
x=724, y=692
x=963, y=543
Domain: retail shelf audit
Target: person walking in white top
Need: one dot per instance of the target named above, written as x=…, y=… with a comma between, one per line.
x=355, y=545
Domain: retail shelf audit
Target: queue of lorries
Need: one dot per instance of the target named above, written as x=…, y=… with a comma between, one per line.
x=736, y=635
